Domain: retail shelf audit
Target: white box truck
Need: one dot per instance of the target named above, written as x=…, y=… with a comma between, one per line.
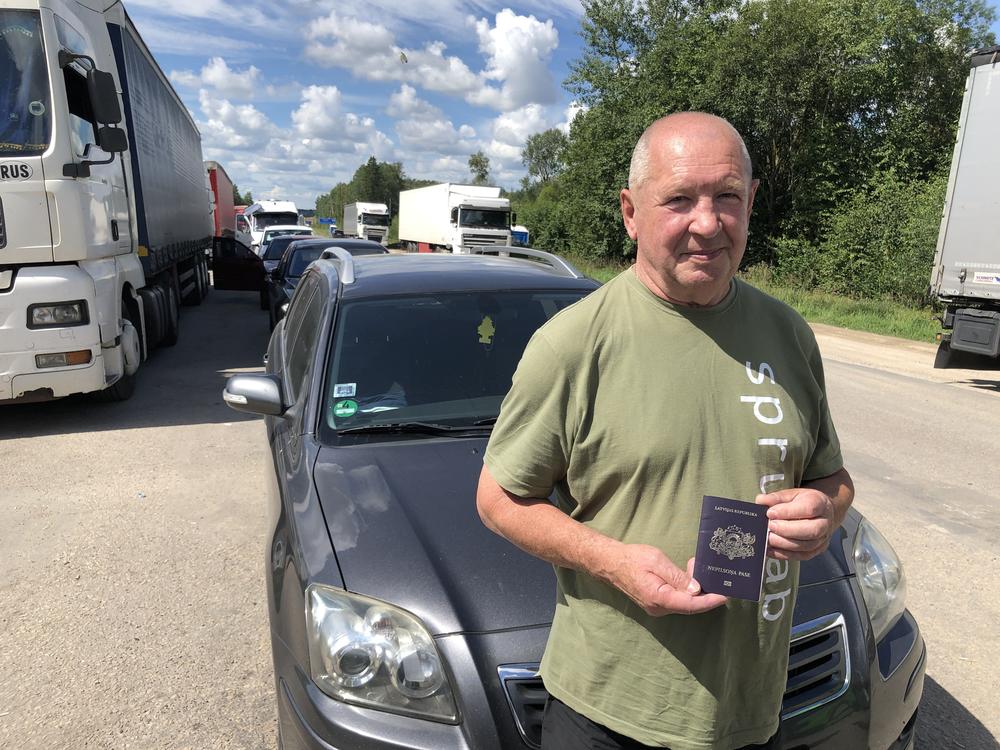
x=453, y=218
x=965, y=277
x=104, y=211
x=367, y=221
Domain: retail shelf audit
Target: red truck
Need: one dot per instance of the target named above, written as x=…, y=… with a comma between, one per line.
x=222, y=200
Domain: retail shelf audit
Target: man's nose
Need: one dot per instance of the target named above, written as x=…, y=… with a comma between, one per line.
x=706, y=220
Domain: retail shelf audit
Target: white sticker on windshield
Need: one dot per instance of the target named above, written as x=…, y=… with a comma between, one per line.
x=345, y=390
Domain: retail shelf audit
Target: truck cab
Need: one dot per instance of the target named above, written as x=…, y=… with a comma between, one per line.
x=95, y=146
x=263, y=214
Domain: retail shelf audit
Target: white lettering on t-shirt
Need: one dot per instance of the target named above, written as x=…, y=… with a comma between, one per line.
x=765, y=371
x=757, y=401
x=767, y=410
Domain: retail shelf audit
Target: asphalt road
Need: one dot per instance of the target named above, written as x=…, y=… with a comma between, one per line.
x=132, y=610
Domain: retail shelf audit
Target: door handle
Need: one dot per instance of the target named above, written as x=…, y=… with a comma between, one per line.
x=114, y=230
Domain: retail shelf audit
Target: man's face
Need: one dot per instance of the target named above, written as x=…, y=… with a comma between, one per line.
x=690, y=215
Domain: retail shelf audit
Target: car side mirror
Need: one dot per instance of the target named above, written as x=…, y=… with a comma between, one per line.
x=254, y=394
x=104, y=99
x=112, y=140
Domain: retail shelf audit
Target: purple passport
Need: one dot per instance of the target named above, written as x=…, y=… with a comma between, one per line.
x=732, y=542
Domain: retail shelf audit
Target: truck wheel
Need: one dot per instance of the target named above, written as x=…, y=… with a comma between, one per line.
x=172, y=323
x=124, y=387
x=943, y=358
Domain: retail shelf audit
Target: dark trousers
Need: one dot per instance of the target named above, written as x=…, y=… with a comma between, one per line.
x=565, y=729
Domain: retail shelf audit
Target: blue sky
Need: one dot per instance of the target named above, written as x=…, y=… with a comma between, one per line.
x=292, y=97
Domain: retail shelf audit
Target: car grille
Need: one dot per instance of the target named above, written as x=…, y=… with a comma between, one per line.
x=819, y=665
x=819, y=671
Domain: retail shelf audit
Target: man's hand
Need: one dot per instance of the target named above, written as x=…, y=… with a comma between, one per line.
x=651, y=580
x=801, y=522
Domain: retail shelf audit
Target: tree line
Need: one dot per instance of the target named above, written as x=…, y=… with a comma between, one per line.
x=848, y=108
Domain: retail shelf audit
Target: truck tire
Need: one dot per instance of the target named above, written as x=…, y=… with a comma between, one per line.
x=172, y=325
x=124, y=387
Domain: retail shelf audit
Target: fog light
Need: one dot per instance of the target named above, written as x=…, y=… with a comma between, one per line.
x=63, y=359
x=58, y=315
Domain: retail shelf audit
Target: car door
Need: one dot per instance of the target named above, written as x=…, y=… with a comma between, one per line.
x=235, y=266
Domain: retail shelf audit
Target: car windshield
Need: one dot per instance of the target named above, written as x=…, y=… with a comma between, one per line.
x=300, y=260
x=475, y=217
x=270, y=234
x=444, y=359
x=25, y=122
x=269, y=220
x=375, y=220
x=276, y=247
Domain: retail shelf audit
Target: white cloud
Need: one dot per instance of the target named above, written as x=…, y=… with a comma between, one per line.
x=242, y=85
x=420, y=125
x=518, y=49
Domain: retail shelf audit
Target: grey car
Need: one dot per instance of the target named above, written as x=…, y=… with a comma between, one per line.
x=397, y=619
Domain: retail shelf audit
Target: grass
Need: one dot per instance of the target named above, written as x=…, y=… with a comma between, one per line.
x=885, y=317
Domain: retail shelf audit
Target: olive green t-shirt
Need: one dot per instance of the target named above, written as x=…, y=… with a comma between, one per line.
x=631, y=409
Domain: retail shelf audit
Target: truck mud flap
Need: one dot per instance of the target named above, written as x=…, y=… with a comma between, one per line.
x=976, y=332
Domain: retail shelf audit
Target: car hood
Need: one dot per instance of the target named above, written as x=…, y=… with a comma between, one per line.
x=403, y=522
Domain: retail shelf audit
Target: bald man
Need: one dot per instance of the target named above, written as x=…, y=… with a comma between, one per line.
x=673, y=381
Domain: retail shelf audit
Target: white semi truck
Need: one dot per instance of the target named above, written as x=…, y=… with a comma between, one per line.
x=965, y=277
x=454, y=218
x=367, y=221
x=264, y=214
x=104, y=212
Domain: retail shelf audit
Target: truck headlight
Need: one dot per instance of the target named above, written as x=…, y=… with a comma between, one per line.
x=58, y=314
x=880, y=574
x=369, y=653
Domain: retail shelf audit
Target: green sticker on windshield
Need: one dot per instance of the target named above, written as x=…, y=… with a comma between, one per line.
x=346, y=408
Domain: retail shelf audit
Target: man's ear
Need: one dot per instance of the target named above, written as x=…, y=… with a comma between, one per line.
x=628, y=212
x=754, y=184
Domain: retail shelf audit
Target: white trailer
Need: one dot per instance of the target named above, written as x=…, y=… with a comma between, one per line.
x=367, y=221
x=965, y=277
x=454, y=218
x=104, y=210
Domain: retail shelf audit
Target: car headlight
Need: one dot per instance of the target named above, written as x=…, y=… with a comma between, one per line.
x=369, y=653
x=880, y=574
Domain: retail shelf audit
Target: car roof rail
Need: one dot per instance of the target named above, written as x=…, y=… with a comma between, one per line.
x=346, y=270
x=560, y=265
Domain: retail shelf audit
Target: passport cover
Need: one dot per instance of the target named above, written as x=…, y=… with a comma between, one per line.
x=732, y=542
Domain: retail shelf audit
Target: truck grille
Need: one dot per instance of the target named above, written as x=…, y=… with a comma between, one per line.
x=479, y=240
x=819, y=671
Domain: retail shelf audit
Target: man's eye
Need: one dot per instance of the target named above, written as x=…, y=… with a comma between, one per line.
x=730, y=196
x=676, y=200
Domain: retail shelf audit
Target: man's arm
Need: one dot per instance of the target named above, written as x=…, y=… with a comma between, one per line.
x=802, y=520
x=642, y=572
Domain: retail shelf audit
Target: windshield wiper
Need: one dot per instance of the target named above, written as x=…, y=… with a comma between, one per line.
x=485, y=422
x=428, y=428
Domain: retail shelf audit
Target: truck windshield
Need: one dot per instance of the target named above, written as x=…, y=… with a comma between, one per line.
x=25, y=120
x=486, y=219
x=271, y=220
x=375, y=220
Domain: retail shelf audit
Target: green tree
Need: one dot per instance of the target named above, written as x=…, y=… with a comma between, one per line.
x=827, y=93
x=479, y=167
x=542, y=154
x=241, y=200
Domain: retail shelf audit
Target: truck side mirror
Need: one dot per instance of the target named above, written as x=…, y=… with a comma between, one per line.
x=513, y=218
x=104, y=99
x=112, y=140
x=454, y=216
